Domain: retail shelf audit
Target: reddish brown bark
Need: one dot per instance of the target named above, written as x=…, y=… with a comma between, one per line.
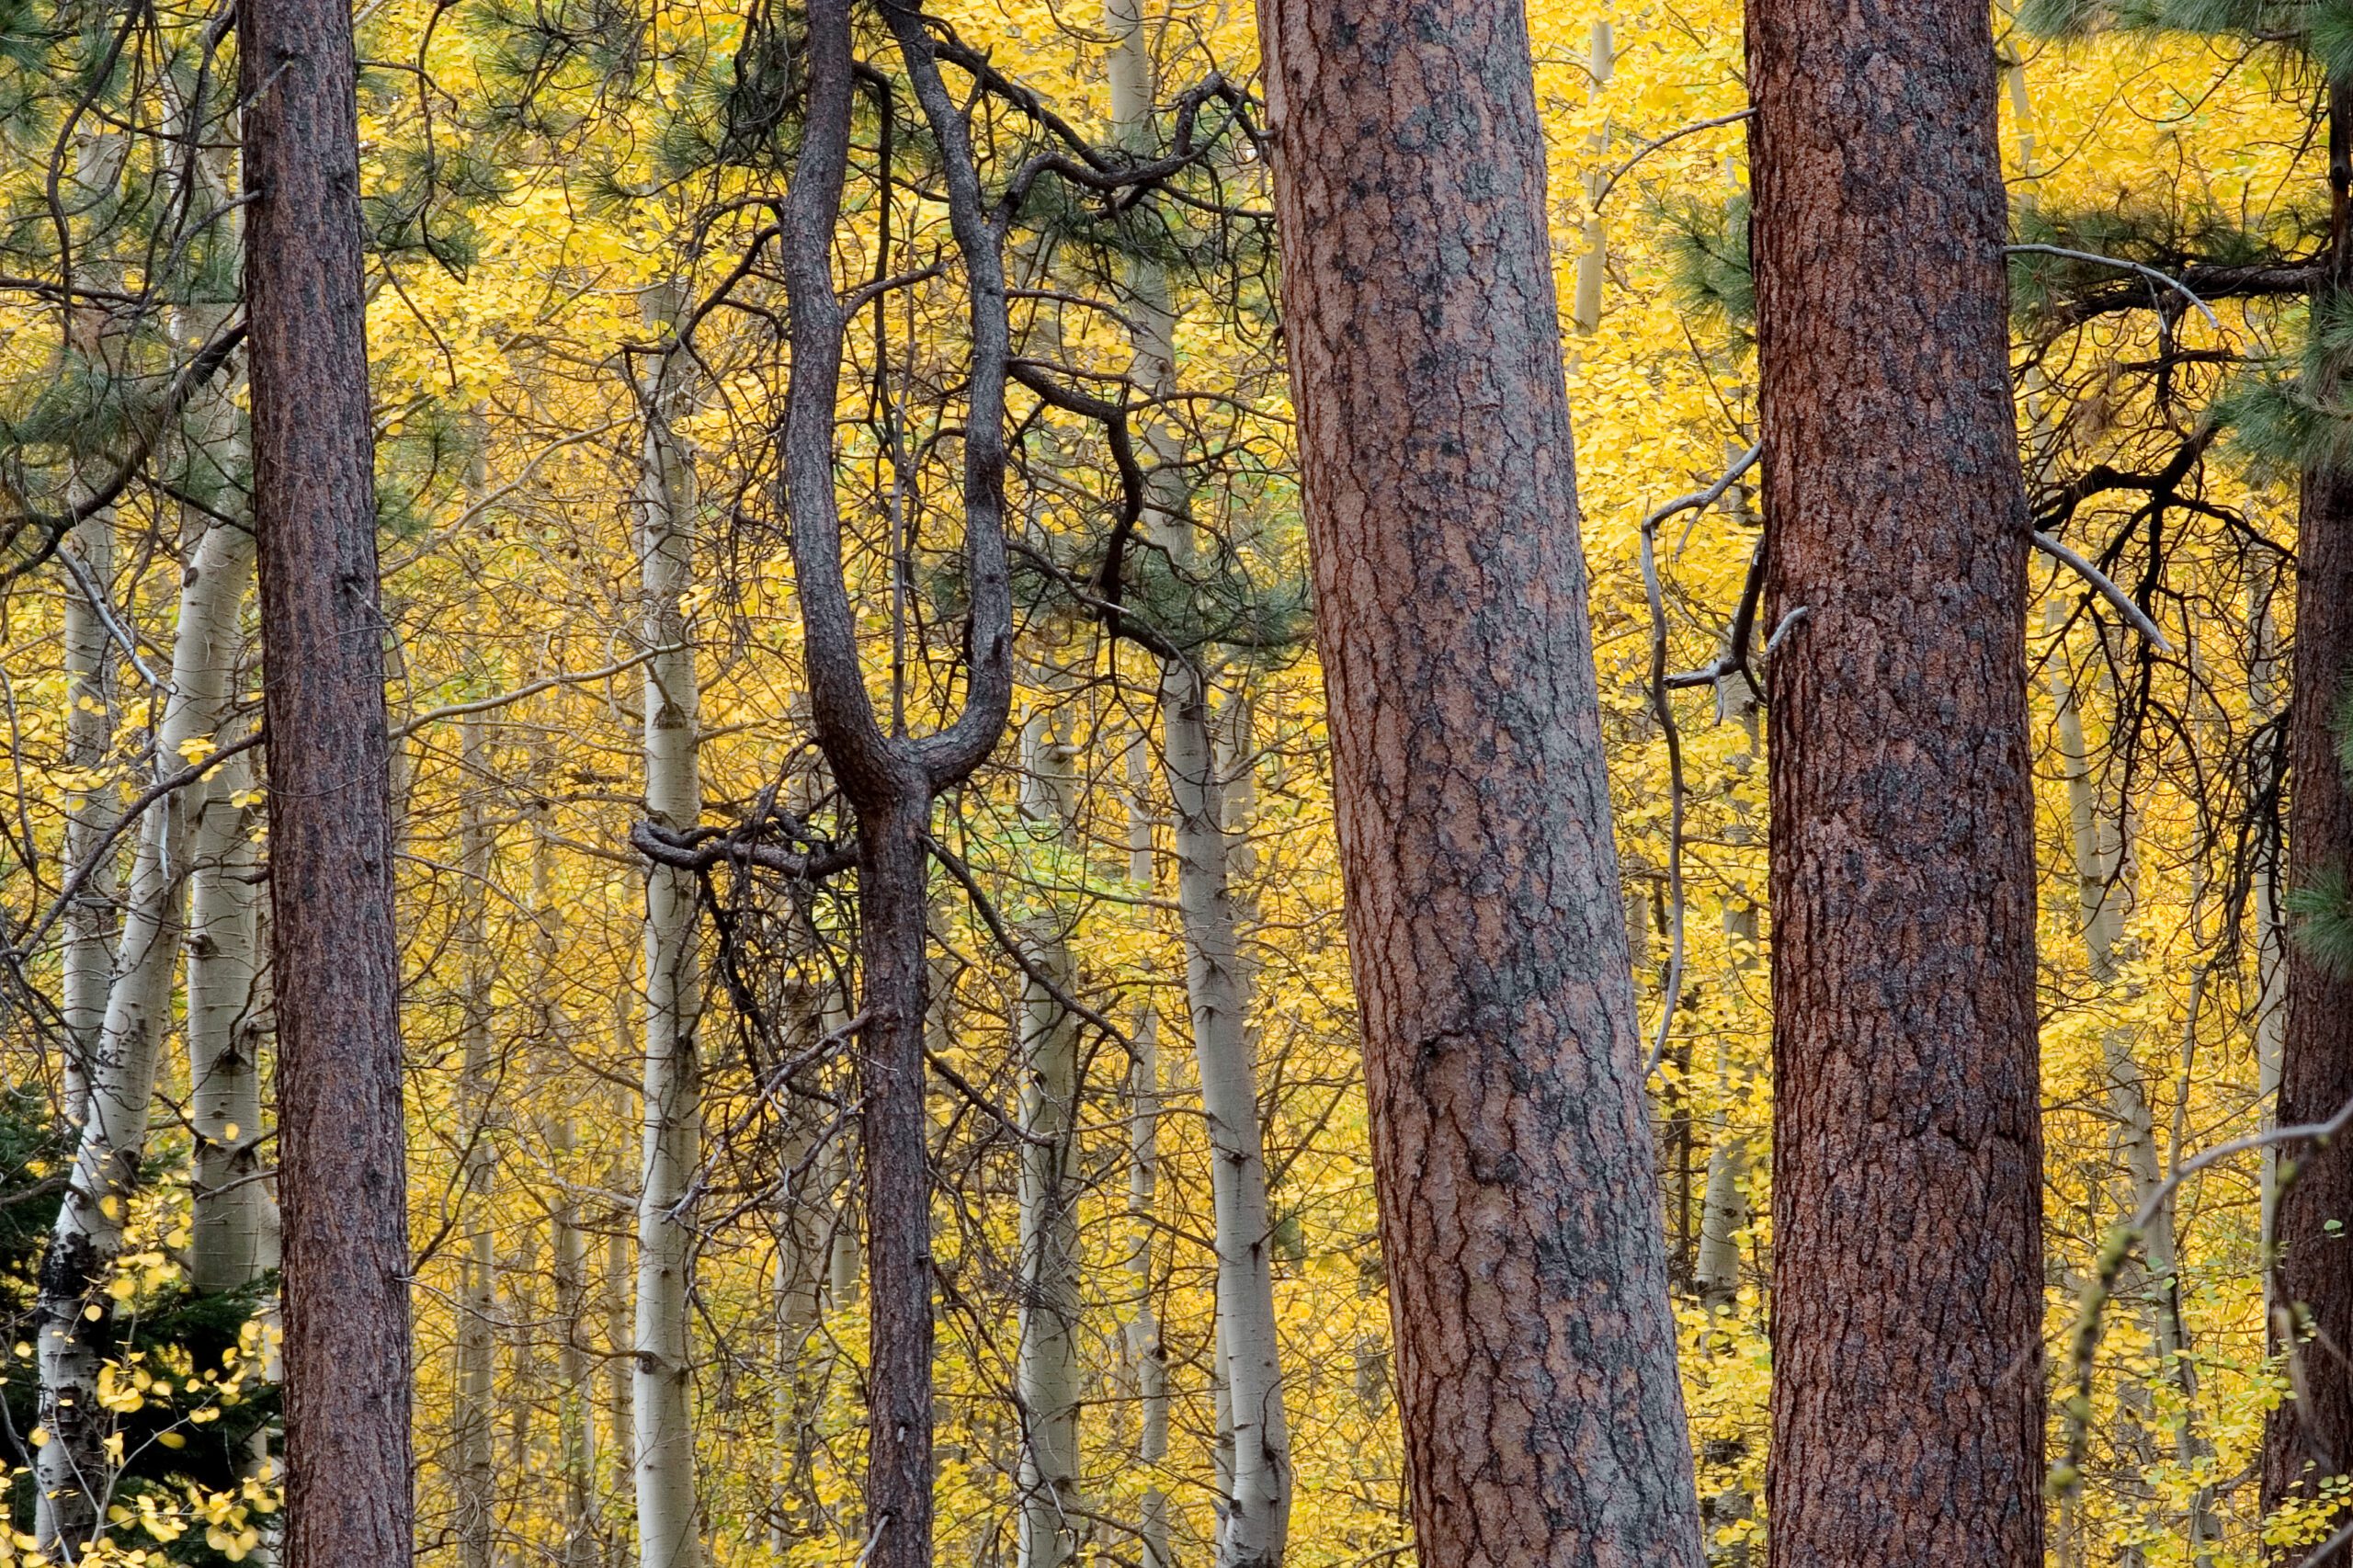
x=2310, y=1437
x=1518, y=1201
x=1907, y=1256
x=342, y=1171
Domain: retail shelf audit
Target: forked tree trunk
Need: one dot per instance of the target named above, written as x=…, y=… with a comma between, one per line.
x=1511, y=1140
x=110, y=1070
x=1907, y=1248
x=889, y=777
x=335, y=959
x=2310, y=1437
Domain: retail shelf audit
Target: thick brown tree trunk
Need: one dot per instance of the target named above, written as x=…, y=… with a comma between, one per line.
x=1518, y=1201
x=342, y=1171
x=2310, y=1437
x=1908, y=1253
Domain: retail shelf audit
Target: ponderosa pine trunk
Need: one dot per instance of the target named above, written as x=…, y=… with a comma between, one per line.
x=1511, y=1140
x=335, y=959
x=1908, y=1249
x=2310, y=1437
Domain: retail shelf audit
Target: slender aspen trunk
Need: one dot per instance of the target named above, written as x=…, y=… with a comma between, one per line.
x=234, y=1239
x=666, y=1521
x=475, y=1407
x=803, y=1222
x=576, y=1375
x=1048, y=1368
x=73, y=1311
x=1519, y=1217
x=1593, y=261
x=575, y=1372
x=1905, y=1245
x=2266, y=689
x=89, y=737
x=1255, y=1517
x=1723, y=1203
x=335, y=961
x=1146, y=1353
x=90, y=695
x=619, y=1293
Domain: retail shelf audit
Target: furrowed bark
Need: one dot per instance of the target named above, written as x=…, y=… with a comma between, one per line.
x=1907, y=1144
x=667, y=1527
x=1512, y=1149
x=335, y=961
x=2310, y=1437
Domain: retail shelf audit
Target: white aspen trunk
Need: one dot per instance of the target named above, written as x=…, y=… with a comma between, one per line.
x=617, y=1476
x=1723, y=1214
x=2266, y=692
x=1723, y=1204
x=1048, y=1369
x=88, y=550
x=576, y=1427
x=804, y=1220
x=1593, y=261
x=1146, y=1353
x=89, y=735
x=475, y=1406
x=1256, y=1517
x=579, y=1428
x=73, y=1311
x=233, y=1237
x=667, y=1526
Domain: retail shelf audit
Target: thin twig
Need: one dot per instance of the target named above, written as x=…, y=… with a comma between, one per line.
x=989, y=917
x=2107, y=589
x=2151, y=273
x=1662, y=705
x=1647, y=148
